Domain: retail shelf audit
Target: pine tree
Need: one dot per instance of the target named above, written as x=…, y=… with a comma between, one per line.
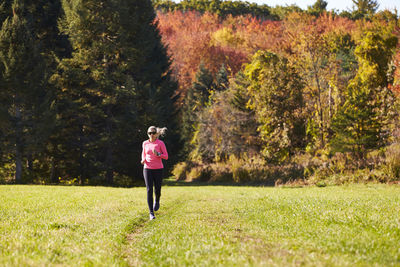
x=5, y=10
x=318, y=7
x=195, y=100
x=116, y=82
x=361, y=123
x=221, y=79
x=244, y=131
x=357, y=124
x=21, y=78
x=364, y=8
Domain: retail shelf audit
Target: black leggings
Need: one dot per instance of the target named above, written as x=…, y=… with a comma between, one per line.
x=153, y=176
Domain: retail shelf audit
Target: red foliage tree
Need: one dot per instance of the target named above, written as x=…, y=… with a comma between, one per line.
x=193, y=38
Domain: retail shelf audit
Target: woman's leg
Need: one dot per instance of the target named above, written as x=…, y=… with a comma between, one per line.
x=157, y=175
x=148, y=179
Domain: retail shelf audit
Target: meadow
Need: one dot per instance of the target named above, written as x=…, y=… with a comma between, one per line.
x=200, y=225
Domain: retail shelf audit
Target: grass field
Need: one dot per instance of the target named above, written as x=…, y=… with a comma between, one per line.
x=200, y=225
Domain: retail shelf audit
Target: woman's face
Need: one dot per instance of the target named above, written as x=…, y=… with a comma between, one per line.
x=152, y=133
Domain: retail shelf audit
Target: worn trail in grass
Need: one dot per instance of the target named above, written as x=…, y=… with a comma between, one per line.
x=200, y=225
x=236, y=226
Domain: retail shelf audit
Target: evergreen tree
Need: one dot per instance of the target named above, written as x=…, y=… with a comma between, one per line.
x=318, y=7
x=195, y=100
x=364, y=8
x=361, y=123
x=21, y=68
x=115, y=84
x=202, y=86
x=221, y=79
x=357, y=124
x=5, y=10
x=245, y=135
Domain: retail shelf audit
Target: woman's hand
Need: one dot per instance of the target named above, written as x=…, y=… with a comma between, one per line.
x=142, y=162
x=156, y=153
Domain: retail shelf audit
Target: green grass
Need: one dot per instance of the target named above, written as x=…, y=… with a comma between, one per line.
x=200, y=225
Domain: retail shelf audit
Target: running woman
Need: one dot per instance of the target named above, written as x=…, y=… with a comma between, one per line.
x=154, y=151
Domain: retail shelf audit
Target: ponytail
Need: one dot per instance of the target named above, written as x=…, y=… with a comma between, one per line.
x=161, y=131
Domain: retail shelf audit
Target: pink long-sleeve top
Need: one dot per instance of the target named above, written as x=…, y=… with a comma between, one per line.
x=152, y=161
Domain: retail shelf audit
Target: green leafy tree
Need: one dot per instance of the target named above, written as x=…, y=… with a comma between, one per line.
x=362, y=122
x=275, y=93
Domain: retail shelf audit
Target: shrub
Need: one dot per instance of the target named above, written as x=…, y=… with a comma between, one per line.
x=391, y=166
x=180, y=171
x=199, y=173
x=239, y=170
x=7, y=173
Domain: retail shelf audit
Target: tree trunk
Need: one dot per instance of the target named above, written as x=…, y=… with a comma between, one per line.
x=18, y=147
x=109, y=148
x=110, y=171
x=81, y=174
x=53, y=172
x=109, y=151
x=321, y=115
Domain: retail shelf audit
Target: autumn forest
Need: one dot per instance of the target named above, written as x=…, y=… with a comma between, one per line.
x=249, y=93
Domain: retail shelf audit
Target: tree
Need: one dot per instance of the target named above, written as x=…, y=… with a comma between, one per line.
x=195, y=101
x=222, y=8
x=364, y=8
x=21, y=68
x=226, y=126
x=5, y=10
x=357, y=127
x=221, y=79
x=116, y=82
x=321, y=49
x=281, y=12
x=190, y=40
x=318, y=7
x=276, y=96
x=309, y=52
x=362, y=122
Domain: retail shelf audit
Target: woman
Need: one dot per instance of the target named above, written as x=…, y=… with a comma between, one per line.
x=153, y=152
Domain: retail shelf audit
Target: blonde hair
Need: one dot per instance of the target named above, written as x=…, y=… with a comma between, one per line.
x=160, y=131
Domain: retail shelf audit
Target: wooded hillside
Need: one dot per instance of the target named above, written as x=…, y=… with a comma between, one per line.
x=248, y=92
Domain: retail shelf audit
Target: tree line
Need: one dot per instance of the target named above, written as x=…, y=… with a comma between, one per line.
x=360, y=8
x=81, y=81
x=247, y=91
x=306, y=95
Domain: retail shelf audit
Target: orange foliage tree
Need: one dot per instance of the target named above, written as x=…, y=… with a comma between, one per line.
x=193, y=38
x=316, y=45
x=189, y=39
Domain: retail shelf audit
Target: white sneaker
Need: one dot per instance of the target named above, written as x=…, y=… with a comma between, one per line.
x=152, y=217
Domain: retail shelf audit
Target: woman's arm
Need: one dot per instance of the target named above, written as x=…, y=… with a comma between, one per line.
x=164, y=153
x=143, y=154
